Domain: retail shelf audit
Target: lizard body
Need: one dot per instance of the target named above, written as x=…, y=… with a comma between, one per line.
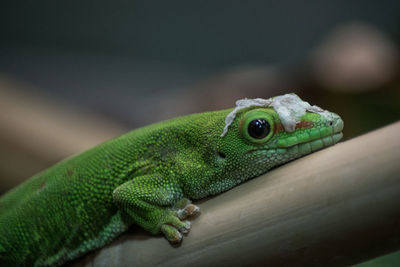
x=147, y=177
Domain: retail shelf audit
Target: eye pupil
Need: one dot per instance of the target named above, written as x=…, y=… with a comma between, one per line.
x=259, y=128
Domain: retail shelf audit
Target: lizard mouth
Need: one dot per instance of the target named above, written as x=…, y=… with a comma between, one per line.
x=315, y=145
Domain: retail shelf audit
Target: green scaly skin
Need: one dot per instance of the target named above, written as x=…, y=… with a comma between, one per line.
x=145, y=177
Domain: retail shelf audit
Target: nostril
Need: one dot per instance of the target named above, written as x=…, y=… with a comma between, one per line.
x=330, y=123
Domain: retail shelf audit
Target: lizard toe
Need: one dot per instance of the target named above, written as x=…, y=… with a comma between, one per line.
x=171, y=233
x=186, y=228
x=173, y=228
x=188, y=211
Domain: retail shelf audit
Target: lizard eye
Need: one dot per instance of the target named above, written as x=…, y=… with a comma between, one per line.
x=259, y=128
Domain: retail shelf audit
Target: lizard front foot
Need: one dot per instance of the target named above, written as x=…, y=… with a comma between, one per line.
x=173, y=228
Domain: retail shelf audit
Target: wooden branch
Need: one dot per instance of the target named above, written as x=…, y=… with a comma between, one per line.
x=338, y=206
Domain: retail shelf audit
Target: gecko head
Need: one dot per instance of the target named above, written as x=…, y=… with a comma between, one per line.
x=264, y=135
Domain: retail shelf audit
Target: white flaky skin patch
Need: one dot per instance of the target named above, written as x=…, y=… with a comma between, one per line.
x=289, y=107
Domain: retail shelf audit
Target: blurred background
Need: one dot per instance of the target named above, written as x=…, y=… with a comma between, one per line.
x=76, y=73
x=73, y=73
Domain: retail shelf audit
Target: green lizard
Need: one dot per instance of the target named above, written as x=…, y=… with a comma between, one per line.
x=147, y=177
